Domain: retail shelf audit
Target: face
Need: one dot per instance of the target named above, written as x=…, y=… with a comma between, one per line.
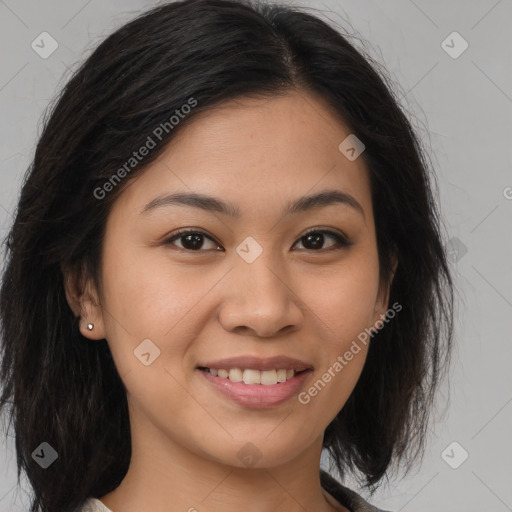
x=257, y=285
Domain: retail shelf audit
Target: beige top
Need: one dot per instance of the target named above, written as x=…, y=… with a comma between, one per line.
x=94, y=505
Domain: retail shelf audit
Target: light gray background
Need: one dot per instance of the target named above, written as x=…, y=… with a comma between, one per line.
x=462, y=108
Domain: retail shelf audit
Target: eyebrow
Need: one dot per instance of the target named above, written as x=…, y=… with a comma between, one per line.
x=213, y=204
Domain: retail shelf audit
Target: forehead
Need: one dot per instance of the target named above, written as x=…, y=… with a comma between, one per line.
x=256, y=152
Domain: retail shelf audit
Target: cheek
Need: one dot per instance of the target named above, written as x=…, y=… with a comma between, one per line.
x=343, y=308
x=345, y=299
x=148, y=295
x=148, y=300
x=143, y=299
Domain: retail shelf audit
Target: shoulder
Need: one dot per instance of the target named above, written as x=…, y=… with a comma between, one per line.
x=347, y=497
x=94, y=505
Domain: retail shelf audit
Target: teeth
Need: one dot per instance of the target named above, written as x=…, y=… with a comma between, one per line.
x=250, y=376
x=269, y=377
x=235, y=375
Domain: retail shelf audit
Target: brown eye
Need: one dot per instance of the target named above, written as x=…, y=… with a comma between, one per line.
x=315, y=239
x=191, y=240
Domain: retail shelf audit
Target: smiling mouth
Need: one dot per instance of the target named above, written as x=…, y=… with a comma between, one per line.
x=252, y=376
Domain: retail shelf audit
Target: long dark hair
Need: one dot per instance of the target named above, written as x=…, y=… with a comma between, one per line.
x=65, y=390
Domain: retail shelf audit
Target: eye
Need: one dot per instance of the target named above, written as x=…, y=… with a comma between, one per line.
x=193, y=240
x=316, y=238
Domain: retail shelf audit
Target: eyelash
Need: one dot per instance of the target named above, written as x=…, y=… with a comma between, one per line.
x=341, y=241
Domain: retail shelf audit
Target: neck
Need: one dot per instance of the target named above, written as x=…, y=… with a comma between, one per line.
x=164, y=476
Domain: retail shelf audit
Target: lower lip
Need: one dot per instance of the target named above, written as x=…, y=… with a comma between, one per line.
x=257, y=395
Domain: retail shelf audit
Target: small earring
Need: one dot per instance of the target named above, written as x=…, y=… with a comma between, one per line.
x=90, y=327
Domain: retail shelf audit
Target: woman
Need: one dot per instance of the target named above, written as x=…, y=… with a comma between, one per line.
x=226, y=258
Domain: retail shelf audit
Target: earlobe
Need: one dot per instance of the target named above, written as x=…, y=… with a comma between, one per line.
x=83, y=301
x=91, y=330
x=91, y=321
x=91, y=313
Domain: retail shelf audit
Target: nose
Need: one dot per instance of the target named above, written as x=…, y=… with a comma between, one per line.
x=259, y=300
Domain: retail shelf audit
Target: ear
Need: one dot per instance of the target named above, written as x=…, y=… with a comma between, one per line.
x=382, y=303
x=83, y=299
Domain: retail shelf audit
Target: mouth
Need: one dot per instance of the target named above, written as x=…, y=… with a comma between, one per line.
x=255, y=382
x=252, y=376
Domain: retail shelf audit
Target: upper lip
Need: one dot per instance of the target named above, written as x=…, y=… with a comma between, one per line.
x=258, y=363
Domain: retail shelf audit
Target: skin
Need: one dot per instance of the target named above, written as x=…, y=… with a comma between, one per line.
x=202, y=304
